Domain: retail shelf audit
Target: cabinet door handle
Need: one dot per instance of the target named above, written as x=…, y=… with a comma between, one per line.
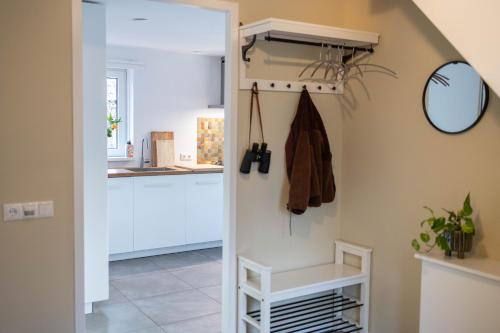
x=213, y=182
x=164, y=185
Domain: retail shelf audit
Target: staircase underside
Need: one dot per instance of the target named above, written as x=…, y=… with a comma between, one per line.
x=473, y=28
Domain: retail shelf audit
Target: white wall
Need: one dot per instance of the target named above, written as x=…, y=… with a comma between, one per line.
x=170, y=91
x=94, y=145
x=472, y=28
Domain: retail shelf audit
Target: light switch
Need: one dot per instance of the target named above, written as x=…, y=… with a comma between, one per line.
x=46, y=209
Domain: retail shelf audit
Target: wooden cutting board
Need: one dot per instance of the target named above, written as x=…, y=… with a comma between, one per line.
x=155, y=136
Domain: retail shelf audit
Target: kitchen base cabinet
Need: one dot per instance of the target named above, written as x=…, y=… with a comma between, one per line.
x=120, y=215
x=159, y=211
x=150, y=215
x=205, y=205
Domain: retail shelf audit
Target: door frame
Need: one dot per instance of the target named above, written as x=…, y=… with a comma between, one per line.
x=229, y=271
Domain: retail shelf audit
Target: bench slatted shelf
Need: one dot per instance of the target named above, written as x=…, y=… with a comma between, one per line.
x=305, y=300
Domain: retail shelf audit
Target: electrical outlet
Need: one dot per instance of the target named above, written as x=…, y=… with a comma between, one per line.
x=186, y=157
x=28, y=210
x=12, y=212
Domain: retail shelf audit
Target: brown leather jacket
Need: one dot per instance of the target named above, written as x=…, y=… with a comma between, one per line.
x=308, y=159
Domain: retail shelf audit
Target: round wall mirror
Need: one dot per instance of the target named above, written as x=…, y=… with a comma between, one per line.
x=455, y=98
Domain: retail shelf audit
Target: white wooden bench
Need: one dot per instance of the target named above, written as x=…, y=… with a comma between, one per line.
x=305, y=300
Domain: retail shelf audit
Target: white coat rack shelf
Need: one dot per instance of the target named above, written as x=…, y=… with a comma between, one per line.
x=278, y=30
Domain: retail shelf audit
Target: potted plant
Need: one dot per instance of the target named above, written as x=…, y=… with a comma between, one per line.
x=112, y=124
x=453, y=233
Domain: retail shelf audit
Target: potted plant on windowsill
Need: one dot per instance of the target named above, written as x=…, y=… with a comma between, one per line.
x=453, y=233
x=112, y=124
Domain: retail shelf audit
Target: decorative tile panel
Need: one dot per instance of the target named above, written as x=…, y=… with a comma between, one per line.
x=210, y=140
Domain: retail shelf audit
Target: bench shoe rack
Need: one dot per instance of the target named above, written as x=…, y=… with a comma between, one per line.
x=305, y=300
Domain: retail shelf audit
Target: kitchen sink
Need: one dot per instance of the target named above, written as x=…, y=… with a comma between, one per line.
x=150, y=169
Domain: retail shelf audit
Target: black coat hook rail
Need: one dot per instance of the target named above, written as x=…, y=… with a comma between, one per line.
x=300, y=42
x=354, y=49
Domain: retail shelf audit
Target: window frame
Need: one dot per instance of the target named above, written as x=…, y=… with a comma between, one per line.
x=125, y=97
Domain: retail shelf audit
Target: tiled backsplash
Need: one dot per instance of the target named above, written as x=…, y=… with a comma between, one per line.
x=210, y=140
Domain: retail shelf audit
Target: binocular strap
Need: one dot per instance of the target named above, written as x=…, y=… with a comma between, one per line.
x=255, y=95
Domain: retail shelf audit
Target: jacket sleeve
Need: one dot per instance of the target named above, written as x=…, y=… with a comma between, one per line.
x=300, y=178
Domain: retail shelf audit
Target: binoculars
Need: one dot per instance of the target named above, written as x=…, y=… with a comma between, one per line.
x=261, y=156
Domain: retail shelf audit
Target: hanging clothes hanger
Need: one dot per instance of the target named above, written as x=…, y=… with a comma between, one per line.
x=342, y=66
x=317, y=62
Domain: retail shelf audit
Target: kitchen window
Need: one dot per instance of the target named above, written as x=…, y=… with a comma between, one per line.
x=119, y=106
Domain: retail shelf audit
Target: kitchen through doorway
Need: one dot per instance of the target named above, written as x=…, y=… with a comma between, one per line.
x=158, y=167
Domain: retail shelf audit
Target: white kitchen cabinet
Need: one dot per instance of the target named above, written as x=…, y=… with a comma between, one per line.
x=159, y=211
x=120, y=215
x=204, y=208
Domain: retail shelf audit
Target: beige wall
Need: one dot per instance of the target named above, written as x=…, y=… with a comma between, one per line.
x=36, y=257
x=394, y=162
x=262, y=218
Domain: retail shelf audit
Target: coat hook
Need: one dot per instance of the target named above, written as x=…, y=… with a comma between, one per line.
x=319, y=87
x=289, y=86
x=334, y=88
x=272, y=85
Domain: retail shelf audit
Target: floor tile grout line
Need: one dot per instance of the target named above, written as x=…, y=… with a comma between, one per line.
x=159, y=271
x=180, y=279
x=191, y=268
x=162, y=270
x=199, y=289
x=193, y=318
x=159, y=325
x=162, y=294
x=145, y=314
x=168, y=294
x=141, y=311
x=120, y=292
x=150, y=260
x=192, y=287
x=196, y=288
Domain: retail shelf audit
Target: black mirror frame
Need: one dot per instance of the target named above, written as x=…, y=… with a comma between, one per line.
x=483, y=110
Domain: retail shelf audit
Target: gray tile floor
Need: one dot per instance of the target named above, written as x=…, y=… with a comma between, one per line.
x=173, y=293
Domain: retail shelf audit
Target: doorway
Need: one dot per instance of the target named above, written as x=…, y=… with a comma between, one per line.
x=228, y=263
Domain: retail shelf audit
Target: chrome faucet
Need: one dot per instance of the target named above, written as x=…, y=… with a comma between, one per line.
x=142, y=151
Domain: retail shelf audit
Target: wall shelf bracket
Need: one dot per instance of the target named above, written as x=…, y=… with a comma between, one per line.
x=246, y=48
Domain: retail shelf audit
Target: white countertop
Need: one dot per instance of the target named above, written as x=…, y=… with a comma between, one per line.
x=480, y=266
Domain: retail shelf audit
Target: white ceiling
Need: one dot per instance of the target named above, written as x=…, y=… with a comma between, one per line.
x=171, y=27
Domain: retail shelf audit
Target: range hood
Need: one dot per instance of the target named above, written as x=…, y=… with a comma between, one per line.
x=221, y=105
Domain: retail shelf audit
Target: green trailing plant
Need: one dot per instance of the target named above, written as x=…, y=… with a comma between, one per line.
x=112, y=124
x=436, y=227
